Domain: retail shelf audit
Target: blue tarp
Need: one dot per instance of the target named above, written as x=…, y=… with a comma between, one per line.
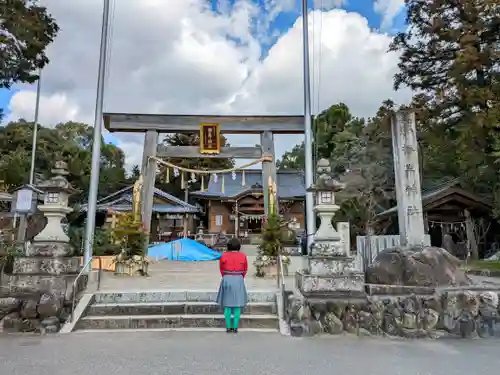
x=183, y=249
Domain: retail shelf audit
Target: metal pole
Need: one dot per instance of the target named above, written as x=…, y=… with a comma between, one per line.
x=35, y=128
x=308, y=141
x=96, y=144
x=23, y=222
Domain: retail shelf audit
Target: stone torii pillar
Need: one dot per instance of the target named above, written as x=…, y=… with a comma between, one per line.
x=148, y=171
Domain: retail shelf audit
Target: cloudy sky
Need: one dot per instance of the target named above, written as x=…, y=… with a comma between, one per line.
x=214, y=57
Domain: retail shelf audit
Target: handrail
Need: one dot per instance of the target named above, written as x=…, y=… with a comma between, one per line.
x=82, y=271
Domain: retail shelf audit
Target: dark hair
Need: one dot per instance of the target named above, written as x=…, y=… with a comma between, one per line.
x=233, y=245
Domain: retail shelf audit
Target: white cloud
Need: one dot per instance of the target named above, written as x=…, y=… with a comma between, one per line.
x=56, y=108
x=388, y=9
x=181, y=57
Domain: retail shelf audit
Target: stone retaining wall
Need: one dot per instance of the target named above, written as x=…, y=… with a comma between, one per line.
x=27, y=309
x=410, y=312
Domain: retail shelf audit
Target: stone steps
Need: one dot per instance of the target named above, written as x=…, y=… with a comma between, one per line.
x=174, y=296
x=167, y=308
x=200, y=330
x=172, y=310
x=173, y=321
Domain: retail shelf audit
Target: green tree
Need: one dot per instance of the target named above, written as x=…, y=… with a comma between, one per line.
x=450, y=55
x=293, y=159
x=329, y=124
x=66, y=141
x=366, y=158
x=326, y=126
x=360, y=152
x=26, y=29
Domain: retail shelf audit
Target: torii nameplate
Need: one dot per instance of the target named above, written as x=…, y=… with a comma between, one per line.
x=210, y=138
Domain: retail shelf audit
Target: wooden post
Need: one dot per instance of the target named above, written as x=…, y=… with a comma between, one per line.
x=426, y=223
x=186, y=199
x=149, y=175
x=472, y=245
x=237, y=220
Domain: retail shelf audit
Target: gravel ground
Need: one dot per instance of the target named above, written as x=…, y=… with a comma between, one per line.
x=217, y=353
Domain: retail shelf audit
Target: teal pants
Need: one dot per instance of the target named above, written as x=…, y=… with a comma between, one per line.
x=235, y=314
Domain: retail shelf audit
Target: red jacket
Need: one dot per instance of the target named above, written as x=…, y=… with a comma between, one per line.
x=233, y=261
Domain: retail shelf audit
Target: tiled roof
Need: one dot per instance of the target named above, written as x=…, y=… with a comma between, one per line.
x=122, y=201
x=290, y=184
x=5, y=197
x=157, y=208
x=428, y=195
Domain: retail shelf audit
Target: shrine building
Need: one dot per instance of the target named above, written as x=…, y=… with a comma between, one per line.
x=171, y=215
x=234, y=202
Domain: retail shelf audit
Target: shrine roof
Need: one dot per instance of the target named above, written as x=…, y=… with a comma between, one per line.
x=437, y=194
x=122, y=201
x=5, y=197
x=291, y=184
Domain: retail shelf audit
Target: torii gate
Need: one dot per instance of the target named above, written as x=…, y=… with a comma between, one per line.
x=153, y=125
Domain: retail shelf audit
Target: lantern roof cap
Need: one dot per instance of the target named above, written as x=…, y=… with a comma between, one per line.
x=325, y=181
x=58, y=182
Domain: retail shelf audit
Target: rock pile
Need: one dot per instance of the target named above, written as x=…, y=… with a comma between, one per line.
x=31, y=312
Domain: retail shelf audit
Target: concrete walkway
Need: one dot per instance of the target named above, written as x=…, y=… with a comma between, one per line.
x=217, y=353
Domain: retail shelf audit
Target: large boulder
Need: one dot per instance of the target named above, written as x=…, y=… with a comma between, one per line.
x=416, y=266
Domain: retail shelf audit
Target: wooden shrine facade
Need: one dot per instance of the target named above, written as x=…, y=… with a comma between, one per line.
x=237, y=205
x=153, y=125
x=453, y=216
x=171, y=217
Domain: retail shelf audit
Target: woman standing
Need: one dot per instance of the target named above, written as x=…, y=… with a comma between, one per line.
x=232, y=296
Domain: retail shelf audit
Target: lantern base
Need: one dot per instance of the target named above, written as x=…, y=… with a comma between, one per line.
x=350, y=284
x=328, y=265
x=49, y=249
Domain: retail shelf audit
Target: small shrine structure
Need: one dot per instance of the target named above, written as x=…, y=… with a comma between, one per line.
x=170, y=215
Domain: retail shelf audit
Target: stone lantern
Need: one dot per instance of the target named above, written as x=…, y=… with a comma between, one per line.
x=49, y=264
x=326, y=238
x=330, y=270
x=55, y=205
x=44, y=277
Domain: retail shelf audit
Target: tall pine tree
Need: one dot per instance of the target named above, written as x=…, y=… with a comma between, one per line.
x=450, y=56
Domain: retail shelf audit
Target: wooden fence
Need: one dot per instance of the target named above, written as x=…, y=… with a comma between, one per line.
x=368, y=247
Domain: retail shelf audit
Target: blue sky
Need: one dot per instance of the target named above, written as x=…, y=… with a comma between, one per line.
x=280, y=25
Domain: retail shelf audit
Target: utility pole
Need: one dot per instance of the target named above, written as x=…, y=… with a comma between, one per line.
x=35, y=128
x=308, y=141
x=96, y=144
x=23, y=222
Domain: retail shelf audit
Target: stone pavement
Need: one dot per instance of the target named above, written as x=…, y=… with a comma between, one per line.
x=205, y=275
x=217, y=353
x=191, y=275
x=180, y=275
